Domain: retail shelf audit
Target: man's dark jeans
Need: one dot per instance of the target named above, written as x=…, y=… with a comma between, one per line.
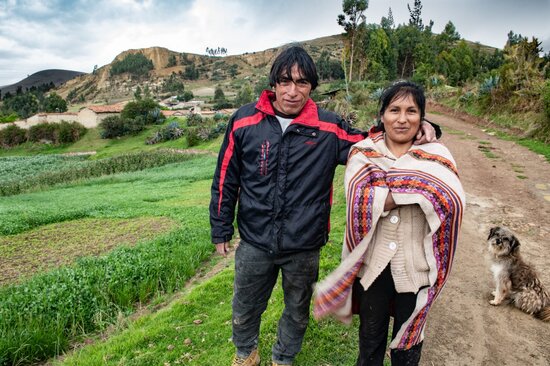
x=256, y=273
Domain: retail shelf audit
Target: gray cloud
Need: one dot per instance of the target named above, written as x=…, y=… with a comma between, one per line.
x=78, y=34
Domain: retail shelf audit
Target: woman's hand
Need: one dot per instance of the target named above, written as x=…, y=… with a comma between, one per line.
x=390, y=203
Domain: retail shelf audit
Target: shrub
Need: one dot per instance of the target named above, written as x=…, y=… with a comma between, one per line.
x=171, y=132
x=546, y=99
x=217, y=130
x=9, y=118
x=192, y=135
x=194, y=119
x=69, y=132
x=42, y=132
x=12, y=136
x=112, y=127
x=488, y=85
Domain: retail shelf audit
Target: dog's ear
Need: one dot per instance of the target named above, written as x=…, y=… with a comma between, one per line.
x=492, y=232
x=514, y=244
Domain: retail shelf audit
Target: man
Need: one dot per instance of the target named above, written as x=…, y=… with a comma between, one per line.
x=278, y=160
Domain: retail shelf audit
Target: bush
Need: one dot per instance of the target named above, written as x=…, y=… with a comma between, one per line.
x=192, y=135
x=69, y=132
x=112, y=127
x=42, y=132
x=217, y=130
x=9, y=118
x=12, y=136
x=171, y=132
x=546, y=99
x=194, y=119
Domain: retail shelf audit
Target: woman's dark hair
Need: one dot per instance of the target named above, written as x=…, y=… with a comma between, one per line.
x=293, y=55
x=400, y=89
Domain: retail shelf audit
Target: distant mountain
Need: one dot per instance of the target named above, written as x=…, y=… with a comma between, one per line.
x=228, y=71
x=55, y=76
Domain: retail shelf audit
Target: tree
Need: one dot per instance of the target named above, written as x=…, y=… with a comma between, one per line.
x=172, y=61
x=54, y=103
x=191, y=72
x=24, y=105
x=219, y=99
x=351, y=19
x=447, y=38
x=134, y=63
x=219, y=95
x=415, y=15
x=244, y=96
x=387, y=23
x=378, y=54
x=173, y=84
x=233, y=70
x=261, y=85
x=137, y=93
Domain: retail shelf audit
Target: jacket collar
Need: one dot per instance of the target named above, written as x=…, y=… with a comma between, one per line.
x=308, y=116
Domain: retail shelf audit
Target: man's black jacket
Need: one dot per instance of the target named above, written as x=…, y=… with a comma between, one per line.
x=282, y=181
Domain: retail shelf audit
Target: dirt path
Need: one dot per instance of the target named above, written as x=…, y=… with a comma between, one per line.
x=505, y=184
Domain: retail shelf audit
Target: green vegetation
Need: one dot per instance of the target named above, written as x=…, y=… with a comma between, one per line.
x=51, y=246
x=50, y=133
x=40, y=317
x=195, y=328
x=134, y=63
x=133, y=119
x=85, y=169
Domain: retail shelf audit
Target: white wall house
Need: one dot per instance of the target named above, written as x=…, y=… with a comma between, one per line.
x=89, y=116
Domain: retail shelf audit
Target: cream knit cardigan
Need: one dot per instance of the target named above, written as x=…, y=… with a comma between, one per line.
x=426, y=175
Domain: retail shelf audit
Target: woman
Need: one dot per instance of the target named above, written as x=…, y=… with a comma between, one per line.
x=404, y=209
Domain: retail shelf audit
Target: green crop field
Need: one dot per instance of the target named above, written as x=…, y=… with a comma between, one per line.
x=96, y=253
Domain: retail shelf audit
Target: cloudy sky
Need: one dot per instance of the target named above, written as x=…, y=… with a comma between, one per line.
x=76, y=35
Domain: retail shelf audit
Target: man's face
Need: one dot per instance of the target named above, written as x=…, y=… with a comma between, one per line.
x=291, y=92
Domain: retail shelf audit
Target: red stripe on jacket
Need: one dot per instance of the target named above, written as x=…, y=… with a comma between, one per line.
x=308, y=117
x=247, y=121
x=339, y=132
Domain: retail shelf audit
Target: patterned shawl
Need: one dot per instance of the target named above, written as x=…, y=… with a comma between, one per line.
x=426, y=175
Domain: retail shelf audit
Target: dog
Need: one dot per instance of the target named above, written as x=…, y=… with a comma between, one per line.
x=516, y=281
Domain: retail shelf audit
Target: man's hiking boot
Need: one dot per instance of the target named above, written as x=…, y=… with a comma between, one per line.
x=253, y=359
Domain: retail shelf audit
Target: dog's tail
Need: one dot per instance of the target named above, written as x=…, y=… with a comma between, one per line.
x=544, y=314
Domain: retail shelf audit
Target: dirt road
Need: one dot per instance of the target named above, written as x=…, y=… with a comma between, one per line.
x=505, y=184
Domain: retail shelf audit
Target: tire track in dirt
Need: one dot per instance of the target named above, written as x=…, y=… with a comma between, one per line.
x=505, y=184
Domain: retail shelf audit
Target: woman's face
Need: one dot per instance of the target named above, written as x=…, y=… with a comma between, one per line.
x=401, y=120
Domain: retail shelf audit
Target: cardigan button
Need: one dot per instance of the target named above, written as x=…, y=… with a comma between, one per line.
x=392, y=245
x=394, y=219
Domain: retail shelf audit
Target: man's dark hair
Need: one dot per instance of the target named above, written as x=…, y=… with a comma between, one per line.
x=294, y=55
x=401, y=89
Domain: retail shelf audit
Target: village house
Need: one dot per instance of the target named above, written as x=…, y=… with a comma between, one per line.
x=92, y=115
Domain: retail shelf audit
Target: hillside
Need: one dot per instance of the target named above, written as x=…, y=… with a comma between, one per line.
x=56, y=76
x=101, y=87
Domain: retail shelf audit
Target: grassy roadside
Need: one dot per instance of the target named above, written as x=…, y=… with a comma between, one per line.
x=506, y=126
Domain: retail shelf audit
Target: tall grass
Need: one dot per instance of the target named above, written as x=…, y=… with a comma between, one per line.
x=42, y=316
x=44, y=177
x=39, y=318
